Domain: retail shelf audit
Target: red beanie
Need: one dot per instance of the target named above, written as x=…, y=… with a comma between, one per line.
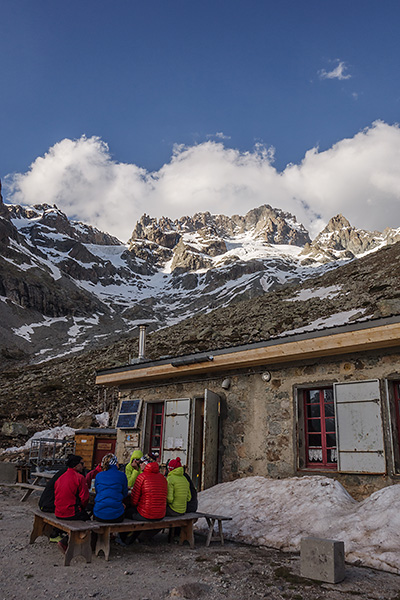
x=174, y=463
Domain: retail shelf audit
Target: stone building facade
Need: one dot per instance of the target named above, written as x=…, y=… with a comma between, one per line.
x=319, y=403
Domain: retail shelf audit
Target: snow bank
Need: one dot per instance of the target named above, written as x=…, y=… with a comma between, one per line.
x=278, y=513
x=58, y=433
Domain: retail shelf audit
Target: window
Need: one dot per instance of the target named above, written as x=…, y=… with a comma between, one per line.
x=156, y=428
x=129, y=414
x=320, y=434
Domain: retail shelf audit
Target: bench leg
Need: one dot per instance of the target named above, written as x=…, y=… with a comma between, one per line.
x=79, y=545
x=210, y=523
x=103, y=541
x=40, y=528
x=221, y=533
x=187, y=534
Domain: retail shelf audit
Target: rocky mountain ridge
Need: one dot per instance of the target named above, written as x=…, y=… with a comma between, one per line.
x=66, y=286
x=58, y=391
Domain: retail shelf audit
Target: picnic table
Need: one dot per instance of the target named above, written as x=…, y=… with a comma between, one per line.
x=36, y=484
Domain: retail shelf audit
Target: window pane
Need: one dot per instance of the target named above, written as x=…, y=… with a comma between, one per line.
x=330, y=425
x=314, y=440
x=313, y=410
x=329, y=410
x=314, y=425
x=328, y=395
x=332, y=455
x=313, y=396
x=331, y=440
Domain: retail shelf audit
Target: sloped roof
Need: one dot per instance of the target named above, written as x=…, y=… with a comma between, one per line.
x=341, y=339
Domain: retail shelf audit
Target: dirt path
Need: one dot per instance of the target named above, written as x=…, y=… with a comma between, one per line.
x=156, y=570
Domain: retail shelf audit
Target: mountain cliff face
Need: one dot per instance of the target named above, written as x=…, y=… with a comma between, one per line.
x=65, y=286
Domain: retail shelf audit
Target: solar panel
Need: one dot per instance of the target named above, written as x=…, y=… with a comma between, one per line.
x=129, y=414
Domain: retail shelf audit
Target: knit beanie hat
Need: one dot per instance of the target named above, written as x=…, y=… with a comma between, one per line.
x=108, y=461
x=73, y=460
x=136, y=454
x=146, y=459
x=175, y=463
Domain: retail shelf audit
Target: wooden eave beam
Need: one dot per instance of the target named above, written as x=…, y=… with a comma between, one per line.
x=374, y=338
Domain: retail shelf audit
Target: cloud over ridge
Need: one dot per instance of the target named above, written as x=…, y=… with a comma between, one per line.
x=357, y=176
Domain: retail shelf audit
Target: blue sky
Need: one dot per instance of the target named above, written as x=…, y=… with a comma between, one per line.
x=144, y=76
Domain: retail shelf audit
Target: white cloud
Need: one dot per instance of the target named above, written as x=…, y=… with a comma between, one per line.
x=218, y=136
x=358, y=177
x=339, y=72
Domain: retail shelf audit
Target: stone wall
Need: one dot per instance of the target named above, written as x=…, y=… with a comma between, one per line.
x=258, y=416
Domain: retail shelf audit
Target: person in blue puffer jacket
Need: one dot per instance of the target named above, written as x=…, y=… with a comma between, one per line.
x=111, y=486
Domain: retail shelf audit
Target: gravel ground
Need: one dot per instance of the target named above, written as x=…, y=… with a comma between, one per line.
x=155, y=570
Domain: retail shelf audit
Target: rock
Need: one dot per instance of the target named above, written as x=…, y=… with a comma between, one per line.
x=14, y=429
x=189, y=590
x=84, y=421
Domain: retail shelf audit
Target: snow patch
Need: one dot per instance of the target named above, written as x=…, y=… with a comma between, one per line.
x=278, y=513
x=57, y=433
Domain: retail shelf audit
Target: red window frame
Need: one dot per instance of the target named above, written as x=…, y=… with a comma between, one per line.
x=156, y=429
x=397, y=407
x=320, y=430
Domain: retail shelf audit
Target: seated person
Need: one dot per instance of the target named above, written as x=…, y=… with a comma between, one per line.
x=178, y=489
x=149, y=494
x=92, y=475
x=132, y=469
x=46, y=500
x=192, y=505
x=111, y=487
x=71, y=493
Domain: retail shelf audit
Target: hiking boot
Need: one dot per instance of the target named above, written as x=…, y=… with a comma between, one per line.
x=63, y=545
x=119, y=540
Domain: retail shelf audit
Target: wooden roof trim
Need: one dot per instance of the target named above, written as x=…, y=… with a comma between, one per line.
x=373, y=338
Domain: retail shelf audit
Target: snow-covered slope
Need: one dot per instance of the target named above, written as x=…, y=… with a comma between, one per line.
x=65, y=285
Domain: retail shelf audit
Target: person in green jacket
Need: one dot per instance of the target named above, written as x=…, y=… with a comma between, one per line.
x=132, y=469
x=178, y=489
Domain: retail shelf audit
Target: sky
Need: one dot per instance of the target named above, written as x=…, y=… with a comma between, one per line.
x=171, y=107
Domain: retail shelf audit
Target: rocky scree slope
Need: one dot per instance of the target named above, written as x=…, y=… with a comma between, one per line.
x=56, y=392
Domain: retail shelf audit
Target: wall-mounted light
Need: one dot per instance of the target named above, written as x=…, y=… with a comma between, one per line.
x=266, y=376
x=226, y=384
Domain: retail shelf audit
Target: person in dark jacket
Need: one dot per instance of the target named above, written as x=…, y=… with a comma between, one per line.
x=111, y=487
x=192, y=505
x=46, y=500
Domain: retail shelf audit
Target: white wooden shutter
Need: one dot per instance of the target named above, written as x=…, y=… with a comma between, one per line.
x=359, y=427
x=210, y=440
x=176, y=429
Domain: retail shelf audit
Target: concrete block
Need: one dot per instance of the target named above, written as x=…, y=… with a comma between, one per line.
x=8, y=472
x=322, y=560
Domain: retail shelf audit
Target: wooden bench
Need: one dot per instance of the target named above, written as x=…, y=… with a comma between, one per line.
x=185, y=522
x=79, y=543
x=79, y=532
x=211, y=536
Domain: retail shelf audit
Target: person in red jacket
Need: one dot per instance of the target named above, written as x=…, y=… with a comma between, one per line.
x=148, y=499
x=71, y=493
x=149, y=494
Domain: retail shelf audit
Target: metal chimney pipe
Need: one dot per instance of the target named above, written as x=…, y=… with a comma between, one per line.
x=142, y=342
